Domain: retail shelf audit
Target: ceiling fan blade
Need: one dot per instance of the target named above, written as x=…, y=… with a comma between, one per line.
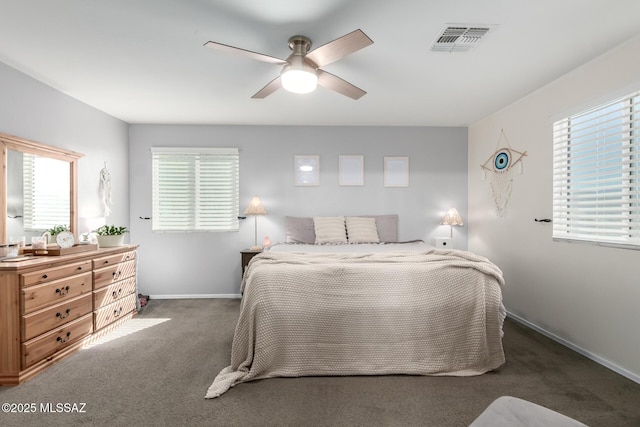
x=244, y=52
x=339, y=48
x=335, y=83
x=271, y=87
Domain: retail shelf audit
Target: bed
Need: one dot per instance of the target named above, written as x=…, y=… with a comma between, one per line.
x=372, y=308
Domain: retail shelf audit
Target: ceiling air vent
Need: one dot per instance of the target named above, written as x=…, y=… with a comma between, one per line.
x=460, y=38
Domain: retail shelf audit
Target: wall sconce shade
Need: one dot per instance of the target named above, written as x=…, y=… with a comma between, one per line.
x=451, y=218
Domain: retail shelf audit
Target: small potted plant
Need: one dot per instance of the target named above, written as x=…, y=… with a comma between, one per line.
x=51, y=233
x=110, y=235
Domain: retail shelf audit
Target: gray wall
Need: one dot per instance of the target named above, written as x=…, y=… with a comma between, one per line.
x=34, y=111
x=586, y=296
x=208, y=264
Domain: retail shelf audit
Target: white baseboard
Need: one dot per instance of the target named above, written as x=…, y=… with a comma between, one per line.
x=604, y=362
x=198, y=296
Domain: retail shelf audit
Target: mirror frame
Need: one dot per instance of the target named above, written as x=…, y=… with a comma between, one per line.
x=11, y=142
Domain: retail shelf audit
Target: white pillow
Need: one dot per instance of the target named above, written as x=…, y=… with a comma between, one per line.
x=362, y=230
x=329, y=229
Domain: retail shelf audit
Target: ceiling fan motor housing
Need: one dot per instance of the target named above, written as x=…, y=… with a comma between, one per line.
x=300, y=44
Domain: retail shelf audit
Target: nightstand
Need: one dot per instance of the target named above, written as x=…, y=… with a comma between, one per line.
x=247, y=254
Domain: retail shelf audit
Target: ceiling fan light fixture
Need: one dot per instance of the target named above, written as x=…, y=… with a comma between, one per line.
x=299, y=77
x=302, y=71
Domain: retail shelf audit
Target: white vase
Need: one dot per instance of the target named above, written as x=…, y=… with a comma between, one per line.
x=111, y=241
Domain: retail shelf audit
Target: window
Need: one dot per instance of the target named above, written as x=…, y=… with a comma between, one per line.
x=596, y=166
x=45, y=191
x=195, y=189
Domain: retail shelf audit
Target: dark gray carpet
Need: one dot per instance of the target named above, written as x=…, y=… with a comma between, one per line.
x=158, y=376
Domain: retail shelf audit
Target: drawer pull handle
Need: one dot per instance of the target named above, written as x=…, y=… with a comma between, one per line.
x=116, y=274
x=117, y=312
x=65, y=339
x=44, y=276
x=65, y=315
x=117, y=293
x=80, y=268
x=62, y=291
x=106, y=261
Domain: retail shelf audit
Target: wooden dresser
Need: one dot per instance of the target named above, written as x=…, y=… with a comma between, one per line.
x=50, y=306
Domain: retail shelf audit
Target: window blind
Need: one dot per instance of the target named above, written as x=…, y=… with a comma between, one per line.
x=596, y=167
x=45, y=192
x=195, y=189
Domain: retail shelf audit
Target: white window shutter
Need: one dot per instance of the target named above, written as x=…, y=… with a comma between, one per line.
x=596, y=171
x=195, y=189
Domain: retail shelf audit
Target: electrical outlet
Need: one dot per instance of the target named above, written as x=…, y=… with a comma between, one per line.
x=443, y=242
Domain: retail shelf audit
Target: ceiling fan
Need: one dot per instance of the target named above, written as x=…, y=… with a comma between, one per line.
x=301, y=71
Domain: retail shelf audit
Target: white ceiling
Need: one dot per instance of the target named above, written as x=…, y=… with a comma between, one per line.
x=143, y=61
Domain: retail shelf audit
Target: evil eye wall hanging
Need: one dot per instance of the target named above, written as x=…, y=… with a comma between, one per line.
x=502, y=159
x=500, y=166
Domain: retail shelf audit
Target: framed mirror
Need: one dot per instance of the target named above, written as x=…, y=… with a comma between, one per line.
x=38, y=188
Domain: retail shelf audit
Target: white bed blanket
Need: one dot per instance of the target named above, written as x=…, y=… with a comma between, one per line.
x=421, y=313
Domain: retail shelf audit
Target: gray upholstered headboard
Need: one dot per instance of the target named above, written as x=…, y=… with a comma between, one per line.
x=301, y=230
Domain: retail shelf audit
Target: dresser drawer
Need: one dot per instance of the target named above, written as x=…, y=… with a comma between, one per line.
x=36, y=277
x=40, y=296
x=45, y=345
x=108, y=294
x=44, y=320
x=114, y=311
x=113, y=259
x=108, y=275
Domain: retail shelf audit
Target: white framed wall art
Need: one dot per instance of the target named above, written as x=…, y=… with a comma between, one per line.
x=396, y=171
x=351, y=170
x=306, y=170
